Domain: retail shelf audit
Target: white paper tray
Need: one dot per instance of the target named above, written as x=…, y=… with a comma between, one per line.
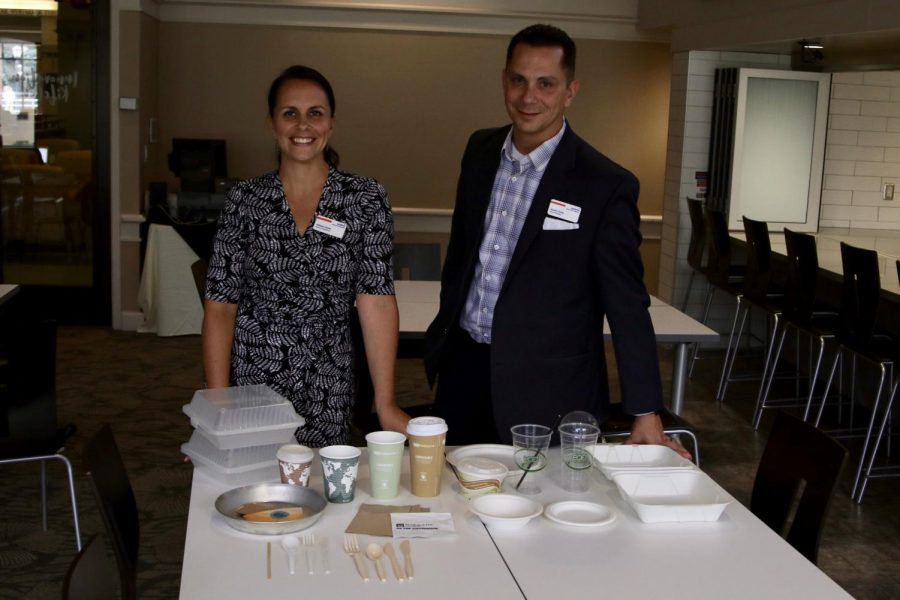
x=202, y=450
x=612, y=458
x=672, y=495
x=242, y=416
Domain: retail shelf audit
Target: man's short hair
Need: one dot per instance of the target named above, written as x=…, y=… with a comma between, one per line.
x=546, y=35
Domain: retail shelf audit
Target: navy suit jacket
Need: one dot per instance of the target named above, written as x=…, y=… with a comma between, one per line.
x=547, y=349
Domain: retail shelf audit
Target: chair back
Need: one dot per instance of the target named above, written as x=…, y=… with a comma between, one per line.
x=862, y=291
x=798, y=458
x=719, y=261
x=28, y=390
x=803, y=276
x=759, y=260
x=697, y=245
x=90, y=576
x=419, y=261
x=115, y=498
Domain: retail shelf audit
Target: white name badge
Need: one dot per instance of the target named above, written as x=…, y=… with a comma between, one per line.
x=330, y=226
x=564, y=210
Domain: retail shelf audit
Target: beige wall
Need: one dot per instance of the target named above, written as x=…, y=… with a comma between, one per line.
x=406, y=102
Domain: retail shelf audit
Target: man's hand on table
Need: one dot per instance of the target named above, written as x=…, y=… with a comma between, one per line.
x=648, y=429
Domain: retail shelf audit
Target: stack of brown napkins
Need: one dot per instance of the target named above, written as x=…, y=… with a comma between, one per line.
x=375, y=519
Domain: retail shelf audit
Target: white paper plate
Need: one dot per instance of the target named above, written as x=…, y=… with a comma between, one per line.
x=499, y=452
x=579, y=513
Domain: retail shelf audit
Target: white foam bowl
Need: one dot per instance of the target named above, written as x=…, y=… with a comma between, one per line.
x=505, y=511
x=672, y=496
x=612, y=458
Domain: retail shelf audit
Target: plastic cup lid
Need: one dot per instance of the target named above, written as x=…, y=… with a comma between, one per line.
x=478, y=466
x=422, y=426
x=295, y=453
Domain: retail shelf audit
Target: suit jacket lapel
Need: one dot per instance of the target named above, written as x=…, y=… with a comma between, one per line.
x=553, y=180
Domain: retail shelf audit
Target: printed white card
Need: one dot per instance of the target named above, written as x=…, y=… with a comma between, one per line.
x=557, y=225
x=564, y=210
x=330, y=227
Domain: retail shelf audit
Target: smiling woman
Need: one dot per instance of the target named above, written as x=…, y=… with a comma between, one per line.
x=295, y=249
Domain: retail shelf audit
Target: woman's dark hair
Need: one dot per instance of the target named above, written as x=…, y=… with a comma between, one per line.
x=302, y=73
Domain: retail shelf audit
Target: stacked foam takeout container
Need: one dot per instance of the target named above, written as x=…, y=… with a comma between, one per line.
x=237, y=433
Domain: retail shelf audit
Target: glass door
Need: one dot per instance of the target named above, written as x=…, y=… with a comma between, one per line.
x=54, y=211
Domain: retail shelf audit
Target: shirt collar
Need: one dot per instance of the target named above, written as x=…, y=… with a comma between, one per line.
x=540, y=156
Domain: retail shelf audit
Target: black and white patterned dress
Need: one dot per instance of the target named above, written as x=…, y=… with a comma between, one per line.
x=294, y=293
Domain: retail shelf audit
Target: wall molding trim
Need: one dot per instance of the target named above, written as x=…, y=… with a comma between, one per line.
x=608, y=19
x=438, y=220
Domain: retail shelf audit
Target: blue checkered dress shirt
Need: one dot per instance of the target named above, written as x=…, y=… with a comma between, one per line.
x=516, y=182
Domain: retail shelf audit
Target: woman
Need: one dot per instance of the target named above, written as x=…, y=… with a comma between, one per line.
x=294, y=249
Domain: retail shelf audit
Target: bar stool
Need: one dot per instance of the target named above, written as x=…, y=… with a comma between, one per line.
x=803, y=314
x=757, y=290
x=721, y=274
x=696, y=247
x=871, y=471
x=857, y=335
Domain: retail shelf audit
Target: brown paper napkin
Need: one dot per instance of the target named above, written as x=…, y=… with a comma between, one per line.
x=375, y=519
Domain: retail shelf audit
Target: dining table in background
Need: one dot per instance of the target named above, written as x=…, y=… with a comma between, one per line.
x=735, y=557
x=168, y=294
x=418, y=302
x=7, y=291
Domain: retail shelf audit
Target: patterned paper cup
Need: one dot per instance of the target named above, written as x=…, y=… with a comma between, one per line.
x=339, y=468
x=294, y=464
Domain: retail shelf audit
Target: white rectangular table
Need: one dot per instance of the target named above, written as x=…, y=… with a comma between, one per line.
x=419, y=301
x=735, y=557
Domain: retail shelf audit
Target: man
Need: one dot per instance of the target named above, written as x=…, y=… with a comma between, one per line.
x=544, y=243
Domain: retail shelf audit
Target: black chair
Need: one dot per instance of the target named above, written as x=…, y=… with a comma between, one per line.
x=857, y=336
x=115, y=498
x=198, y=270
x=805, y=314
x=90, y=576
x=28, y=428
x=756, y=290
x=721, y=274
x=871, y=471
x=417, y=261
x=618, y=424
x=798, y=459
x=696, y=246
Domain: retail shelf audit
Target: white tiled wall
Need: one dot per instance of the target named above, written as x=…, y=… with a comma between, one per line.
x=862, y=151
x=690, y=113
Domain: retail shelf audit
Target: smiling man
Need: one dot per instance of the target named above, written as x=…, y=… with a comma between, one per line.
x=544, y=244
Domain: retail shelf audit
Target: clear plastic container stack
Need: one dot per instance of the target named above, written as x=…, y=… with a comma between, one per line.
x=238, y=430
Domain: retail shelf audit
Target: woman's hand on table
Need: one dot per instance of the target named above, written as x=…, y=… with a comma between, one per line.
x=648, y=429
x=392, y=417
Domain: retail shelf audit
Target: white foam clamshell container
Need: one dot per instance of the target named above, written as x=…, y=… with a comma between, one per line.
x=242, y=416
x=612, y=458
x=239, y=466
x=672, y=496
